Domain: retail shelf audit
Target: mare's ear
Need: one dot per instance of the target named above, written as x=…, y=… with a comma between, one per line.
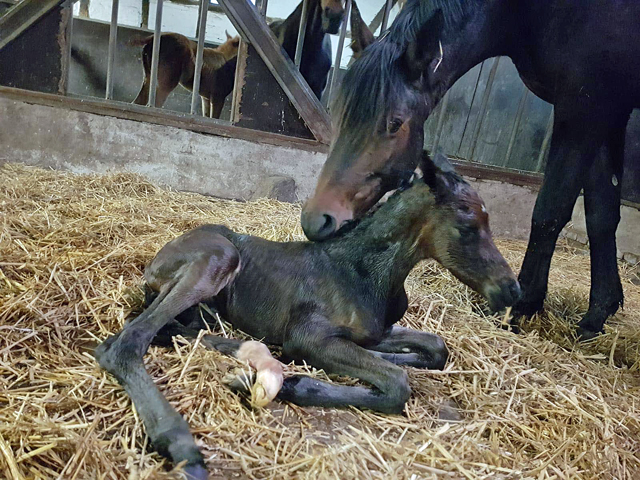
x=360, y=33
x=426, y=46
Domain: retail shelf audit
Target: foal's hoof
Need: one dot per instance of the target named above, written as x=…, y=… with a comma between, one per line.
x=260, y=387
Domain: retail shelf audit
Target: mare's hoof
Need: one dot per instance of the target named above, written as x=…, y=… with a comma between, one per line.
x=526, y=309
x=585, y=335
x=513, y=326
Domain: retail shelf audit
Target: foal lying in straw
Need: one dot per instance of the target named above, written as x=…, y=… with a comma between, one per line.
x=332, y=304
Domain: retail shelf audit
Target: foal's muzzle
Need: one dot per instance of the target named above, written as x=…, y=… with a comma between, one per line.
x=503, y=294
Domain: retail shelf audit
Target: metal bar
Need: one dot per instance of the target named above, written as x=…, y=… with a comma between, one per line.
x=156, y=116
x=22, y=16
x=516, y=125
x=238, y=84
x=202, y=27
x=144, y=14
x=302, y=30
x=153, y=83
x=68, y=33
x=111, y=56
x=336, y=66
x=473, y=99
x=544, y=148
x=262, y=7
x=385, y=15
x=440, y=124
x=483, y=106
x=252, y=27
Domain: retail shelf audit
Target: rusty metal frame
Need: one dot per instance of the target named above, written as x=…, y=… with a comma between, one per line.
x=252, y=27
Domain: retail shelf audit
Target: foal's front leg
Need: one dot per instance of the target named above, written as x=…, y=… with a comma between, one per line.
x=404, y=346
x=187, y=277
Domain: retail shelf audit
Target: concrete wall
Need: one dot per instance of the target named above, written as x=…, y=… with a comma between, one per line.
x=230, y=168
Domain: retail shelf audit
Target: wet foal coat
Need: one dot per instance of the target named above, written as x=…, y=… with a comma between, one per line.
x=332, y=304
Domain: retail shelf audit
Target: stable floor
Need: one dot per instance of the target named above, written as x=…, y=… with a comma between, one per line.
x=72, y=252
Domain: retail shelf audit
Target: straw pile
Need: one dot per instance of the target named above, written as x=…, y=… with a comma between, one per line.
x=72, y=253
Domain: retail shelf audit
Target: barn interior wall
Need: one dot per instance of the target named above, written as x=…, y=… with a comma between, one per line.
x=224, y=167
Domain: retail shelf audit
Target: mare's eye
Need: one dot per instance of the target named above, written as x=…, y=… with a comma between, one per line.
x=394, y=125
x=467, y=233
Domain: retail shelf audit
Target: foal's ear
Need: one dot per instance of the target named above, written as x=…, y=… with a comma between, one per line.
x=360, y=33
x=426, y=46
x=436, y=174
x=229, y=37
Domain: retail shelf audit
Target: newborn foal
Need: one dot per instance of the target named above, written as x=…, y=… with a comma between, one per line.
x=332, y=304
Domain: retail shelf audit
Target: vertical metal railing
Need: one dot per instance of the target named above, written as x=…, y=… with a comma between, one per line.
x=483, y=106
x=385, y=16
x=202, y=27
x=301, y=33
x=336, y=66
x=516, y=126
x=546, y=142
x=440, y=124
x=111, y=56
x=261, y=5
x=153, y=81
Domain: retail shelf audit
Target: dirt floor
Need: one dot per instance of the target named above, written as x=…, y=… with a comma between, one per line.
x=72, y=252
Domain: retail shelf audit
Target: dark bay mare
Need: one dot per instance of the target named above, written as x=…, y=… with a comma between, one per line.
x=583, y=57
x=325, y=17
x=333, y=304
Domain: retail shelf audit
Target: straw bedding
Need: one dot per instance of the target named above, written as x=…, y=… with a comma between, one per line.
x=73, y=249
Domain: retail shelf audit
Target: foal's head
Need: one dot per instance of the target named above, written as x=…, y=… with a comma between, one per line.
x=450, y=224
x=332, y=12
x=230, y=47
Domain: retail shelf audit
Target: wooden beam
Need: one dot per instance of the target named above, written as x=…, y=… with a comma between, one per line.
x=155, y=116
x=22, y=16
x=253, y=28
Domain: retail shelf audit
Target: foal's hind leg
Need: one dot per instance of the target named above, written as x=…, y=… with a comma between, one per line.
x=602, y=208
x=317, y=342
x=188, y=270
x=404, y=346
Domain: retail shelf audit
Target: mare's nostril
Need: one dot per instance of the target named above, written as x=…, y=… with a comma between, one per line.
x=329, y=225
x=318, y=226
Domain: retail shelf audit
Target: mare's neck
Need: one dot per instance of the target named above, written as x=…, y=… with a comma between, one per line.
x=314, y=34
x=482, y=33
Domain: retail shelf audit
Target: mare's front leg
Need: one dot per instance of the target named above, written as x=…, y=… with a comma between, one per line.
x=602, y=208
x=578, y=132
x=314, y=340
x=405, y=346
x=188, y=270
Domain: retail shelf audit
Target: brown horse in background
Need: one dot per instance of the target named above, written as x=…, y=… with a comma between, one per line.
x=176, y=65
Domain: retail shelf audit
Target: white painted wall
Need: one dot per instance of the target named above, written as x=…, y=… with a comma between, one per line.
x=183, y=18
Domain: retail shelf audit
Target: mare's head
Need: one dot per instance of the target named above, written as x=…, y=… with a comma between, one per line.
x=446, y=220
x=332, y=12
x=378, y=117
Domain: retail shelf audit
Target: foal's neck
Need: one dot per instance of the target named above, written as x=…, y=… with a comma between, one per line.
x=384, y=247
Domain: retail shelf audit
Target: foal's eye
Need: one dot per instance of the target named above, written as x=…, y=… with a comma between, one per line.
x=394, y=125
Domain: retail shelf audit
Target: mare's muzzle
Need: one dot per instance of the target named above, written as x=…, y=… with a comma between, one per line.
x=331, y=20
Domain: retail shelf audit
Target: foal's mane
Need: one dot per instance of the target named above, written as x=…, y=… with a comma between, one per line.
x=375, y=81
